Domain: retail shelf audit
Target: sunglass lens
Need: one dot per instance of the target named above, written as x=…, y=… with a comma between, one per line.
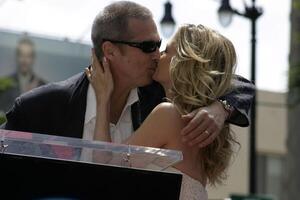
x=150, y=46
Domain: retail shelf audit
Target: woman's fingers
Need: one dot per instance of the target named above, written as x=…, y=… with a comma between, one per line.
x=106, y=66
x=100, y=77
x=107, y=73
x=95, y=62
x=88, y=74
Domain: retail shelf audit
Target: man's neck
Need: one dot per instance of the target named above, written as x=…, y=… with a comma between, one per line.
x=24, y=75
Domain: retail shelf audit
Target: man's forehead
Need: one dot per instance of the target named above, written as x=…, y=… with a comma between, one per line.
x=143, y=29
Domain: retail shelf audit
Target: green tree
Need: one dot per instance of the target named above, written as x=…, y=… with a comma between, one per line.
x=5, y=83
x=292, y=183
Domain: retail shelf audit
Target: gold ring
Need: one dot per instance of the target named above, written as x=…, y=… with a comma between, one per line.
x=90, y=76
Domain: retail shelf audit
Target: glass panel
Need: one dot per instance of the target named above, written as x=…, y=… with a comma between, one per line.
x=74, y=149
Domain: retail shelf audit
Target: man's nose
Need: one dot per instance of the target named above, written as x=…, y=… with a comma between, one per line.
x=156, y=54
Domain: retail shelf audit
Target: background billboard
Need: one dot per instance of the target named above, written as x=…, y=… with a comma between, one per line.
x=28, y=61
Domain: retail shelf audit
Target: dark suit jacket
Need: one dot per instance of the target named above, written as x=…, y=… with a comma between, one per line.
x=59, y=108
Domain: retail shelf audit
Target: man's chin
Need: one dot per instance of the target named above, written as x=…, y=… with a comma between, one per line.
x=24, y=71
x=146, y=82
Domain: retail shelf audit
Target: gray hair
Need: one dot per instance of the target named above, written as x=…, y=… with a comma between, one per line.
x=112, y=22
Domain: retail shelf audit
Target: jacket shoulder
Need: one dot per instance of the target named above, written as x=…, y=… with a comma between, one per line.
x=57, y=92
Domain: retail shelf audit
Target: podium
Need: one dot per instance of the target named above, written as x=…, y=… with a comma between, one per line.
x=38, y=166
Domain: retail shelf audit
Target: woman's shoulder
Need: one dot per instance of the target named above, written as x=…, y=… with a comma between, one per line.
x=159, y=127
x=167, y=112
x=168, y=108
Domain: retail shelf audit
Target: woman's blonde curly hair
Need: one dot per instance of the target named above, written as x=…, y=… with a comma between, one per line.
x=201, y=71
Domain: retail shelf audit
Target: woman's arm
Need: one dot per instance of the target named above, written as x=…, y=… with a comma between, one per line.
x=101, y=79
x=101, y=131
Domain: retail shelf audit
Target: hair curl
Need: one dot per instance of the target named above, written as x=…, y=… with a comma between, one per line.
x=201, y=71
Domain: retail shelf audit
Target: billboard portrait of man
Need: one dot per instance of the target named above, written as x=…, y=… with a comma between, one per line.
x=24, y=78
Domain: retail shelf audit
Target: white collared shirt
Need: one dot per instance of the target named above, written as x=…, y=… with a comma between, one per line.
x=24, y=81
x=120, y=131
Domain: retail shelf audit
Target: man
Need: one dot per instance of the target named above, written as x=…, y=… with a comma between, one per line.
x=24, y=79
x=125, y=33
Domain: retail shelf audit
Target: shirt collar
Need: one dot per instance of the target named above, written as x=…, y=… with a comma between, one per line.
x=91, y=103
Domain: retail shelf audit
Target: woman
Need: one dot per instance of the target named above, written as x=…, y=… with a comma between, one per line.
x=194, y=70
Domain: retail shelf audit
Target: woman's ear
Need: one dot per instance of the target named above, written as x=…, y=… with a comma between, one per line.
x=108, y=50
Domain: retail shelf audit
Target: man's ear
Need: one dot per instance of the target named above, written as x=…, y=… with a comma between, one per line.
x=108, y=50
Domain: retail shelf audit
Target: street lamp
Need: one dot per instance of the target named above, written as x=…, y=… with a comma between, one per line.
x=225, y=13
x=252, y=13
x=167, y=23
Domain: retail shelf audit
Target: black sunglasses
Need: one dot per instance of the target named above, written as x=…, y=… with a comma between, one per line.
x=145, y=46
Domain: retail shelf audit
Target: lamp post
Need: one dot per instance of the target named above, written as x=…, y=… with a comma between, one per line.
x=167, y=23
x=252, y=13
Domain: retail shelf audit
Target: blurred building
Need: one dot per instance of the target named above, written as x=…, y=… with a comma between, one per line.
x=271, y=150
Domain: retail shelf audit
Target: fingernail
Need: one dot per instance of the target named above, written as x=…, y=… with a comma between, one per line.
x=104, y=59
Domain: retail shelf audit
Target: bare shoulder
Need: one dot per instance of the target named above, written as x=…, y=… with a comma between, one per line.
x=159, y=128
x=168, y=113
x=167, y=108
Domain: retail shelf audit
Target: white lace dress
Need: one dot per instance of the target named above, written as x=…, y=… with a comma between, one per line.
x=191, y=189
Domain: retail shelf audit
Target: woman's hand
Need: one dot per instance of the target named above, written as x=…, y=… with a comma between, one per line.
x=100, y=77
x=205, y=124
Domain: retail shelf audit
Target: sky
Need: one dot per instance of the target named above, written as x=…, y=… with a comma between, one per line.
x=72, y=19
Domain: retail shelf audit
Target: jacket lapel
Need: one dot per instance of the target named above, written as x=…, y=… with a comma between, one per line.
x=136, y=115
x=149, y=97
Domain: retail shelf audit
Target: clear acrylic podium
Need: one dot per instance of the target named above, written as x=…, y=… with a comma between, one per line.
x=38, y=166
